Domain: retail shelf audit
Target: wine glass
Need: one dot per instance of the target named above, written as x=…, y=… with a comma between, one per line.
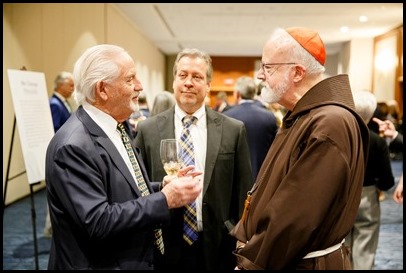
x=170, y=152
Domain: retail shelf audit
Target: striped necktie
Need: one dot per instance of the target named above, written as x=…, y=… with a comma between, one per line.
x=190, y=234
x=142, y=186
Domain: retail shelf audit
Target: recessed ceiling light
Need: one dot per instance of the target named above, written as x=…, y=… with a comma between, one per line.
x=363, y=18
x=344, y=29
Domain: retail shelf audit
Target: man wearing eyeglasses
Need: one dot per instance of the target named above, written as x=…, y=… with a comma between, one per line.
x=307, y=192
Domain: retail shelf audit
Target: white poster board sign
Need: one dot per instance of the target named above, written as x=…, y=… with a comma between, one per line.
x=34, y=120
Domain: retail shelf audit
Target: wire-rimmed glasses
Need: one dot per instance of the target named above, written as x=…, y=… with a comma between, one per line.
x=265, y=67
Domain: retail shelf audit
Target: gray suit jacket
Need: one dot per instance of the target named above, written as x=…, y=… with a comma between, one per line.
x=99, y=220
x=227, y=178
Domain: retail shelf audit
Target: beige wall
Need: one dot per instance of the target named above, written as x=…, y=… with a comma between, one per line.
x=49, y=38
x=360, y=72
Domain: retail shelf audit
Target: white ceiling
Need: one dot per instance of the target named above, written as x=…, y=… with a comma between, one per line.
x=241, y=29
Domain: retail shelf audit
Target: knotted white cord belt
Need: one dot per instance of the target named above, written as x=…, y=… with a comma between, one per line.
x=323, y=252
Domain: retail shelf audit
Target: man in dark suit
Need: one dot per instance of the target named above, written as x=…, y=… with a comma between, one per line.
x=260, y=123
x=60, y=108
x=221, y=151
x=104, y=210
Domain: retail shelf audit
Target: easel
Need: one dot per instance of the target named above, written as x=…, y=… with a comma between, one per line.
x=33, y=214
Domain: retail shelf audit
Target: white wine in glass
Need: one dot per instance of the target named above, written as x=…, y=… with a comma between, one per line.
x=170, y=152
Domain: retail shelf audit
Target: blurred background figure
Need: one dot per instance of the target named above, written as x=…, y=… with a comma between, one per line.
x=140, y=114
x=279, y=111
x=260, y=123
x=164, y=100
x=60, y=107
x=394, y=114
x=388, y=110
x=60, y=111
x=363, y=238
x=395, y=140
x=393, y=137
x=143, y=105
x=381, y=112
x=207, y=99
x=221, y=102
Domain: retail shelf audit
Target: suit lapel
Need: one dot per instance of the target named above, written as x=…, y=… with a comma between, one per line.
x=118, y=161
x=101, y=138
x=214, y=129
x=163, y=120
x=66, y=110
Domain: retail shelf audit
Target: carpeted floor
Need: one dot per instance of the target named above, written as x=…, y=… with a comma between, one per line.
x=27, y=249
x=18, y=238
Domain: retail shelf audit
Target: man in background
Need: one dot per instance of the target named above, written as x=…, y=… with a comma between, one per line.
x=142, y=113
x=60, y=108
x=260, y=123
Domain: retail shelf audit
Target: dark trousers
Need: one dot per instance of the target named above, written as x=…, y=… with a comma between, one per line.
x=191, y=257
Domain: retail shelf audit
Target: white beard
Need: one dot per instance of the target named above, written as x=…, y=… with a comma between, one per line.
x=272, y=95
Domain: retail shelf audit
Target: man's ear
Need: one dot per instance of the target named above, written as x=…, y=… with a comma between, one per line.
x=300, y=72
x=102, y=90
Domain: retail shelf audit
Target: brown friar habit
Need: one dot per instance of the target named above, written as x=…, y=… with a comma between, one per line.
x=308, y=190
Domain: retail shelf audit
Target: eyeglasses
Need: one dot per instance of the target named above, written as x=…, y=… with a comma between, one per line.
x=265, y=66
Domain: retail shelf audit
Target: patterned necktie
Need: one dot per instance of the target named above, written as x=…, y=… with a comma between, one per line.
x=188, y=157
x=142, y=186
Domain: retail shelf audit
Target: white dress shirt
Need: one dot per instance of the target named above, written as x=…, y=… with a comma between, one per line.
x=198, y=131
x=109, y=126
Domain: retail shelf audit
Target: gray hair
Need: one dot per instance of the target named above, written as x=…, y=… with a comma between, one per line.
x=246, y=86
x=297, y=53
x=365, y=104
x=194, y=53
x=61, y=78
x=164, y=100
x=96, y=64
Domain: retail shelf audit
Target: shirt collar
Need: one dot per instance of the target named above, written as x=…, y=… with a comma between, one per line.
x=199, y=114
x=59, y=95
x=105, y=121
